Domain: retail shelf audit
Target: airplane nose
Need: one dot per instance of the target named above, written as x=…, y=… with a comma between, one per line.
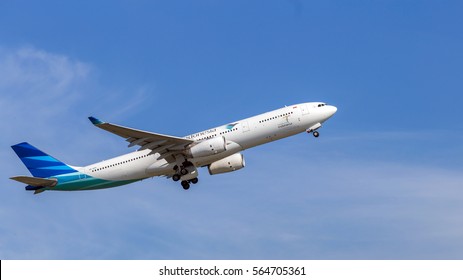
x=332, y=110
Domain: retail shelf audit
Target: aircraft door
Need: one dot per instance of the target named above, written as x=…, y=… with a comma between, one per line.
x=245, y=126
x=304, y=109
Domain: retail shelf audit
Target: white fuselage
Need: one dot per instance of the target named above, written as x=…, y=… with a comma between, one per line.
x=240, y=135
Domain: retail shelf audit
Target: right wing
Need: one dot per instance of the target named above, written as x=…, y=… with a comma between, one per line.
x=165, y=145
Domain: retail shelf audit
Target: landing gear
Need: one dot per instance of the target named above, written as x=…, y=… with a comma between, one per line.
x=185, y=185
x=187, y=173
x=313, y=129
x=184, y=168
x=176, y=177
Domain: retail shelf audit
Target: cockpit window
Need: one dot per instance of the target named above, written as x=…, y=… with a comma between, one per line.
x=321, y=105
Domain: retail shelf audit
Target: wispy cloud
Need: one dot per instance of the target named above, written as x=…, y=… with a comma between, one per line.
x=50, y=95
x=45, y=99
x=291, y=201
x=37, y=86
x=282, y=205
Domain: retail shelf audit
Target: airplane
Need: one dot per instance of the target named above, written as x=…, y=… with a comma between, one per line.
x=219, y=149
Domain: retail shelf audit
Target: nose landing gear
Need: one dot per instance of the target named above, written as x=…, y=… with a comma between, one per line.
x=315, y=133
x=313, y=130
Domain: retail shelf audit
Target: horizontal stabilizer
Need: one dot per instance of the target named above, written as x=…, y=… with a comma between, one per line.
x=36, y=190
x=35, y=182
x=32, y=188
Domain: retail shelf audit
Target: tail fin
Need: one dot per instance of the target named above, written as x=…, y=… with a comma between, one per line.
x=39, y=163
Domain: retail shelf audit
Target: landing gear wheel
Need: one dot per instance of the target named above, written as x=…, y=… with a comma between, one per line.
x=176, y=177
x=183, y=171
x=185, y=185
x=194, y=181
x=316, y=134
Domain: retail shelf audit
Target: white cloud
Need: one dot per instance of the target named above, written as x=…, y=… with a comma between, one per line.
x=291, y=201
x=36, y=84
x=26, y=67
x=49, y=96
x=280, y=206
x=335, y=209
x=45, y=99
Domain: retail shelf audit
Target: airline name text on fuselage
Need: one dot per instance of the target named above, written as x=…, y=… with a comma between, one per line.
x=199, y=134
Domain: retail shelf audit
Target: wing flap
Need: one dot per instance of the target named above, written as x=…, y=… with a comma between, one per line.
x=152, y=145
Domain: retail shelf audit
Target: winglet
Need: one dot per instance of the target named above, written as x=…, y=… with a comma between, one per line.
x=95, y=121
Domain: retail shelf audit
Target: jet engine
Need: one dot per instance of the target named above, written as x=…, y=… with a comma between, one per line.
x=228, y=164
x=208, y=147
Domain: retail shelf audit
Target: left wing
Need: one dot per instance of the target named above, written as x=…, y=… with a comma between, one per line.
x=165, y=145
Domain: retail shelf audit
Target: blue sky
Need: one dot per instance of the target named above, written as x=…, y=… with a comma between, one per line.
x=384, y=180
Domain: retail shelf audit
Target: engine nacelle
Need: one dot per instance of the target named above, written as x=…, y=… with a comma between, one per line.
x=208, y=147
x=228, y=164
